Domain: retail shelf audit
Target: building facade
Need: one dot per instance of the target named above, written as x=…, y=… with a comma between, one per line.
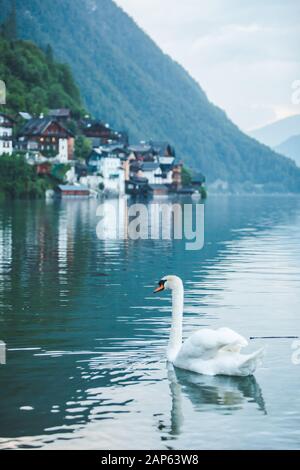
x=46, y=137
x=109, y=167
x=151, y=171
x=101, y=134
x=6, y=134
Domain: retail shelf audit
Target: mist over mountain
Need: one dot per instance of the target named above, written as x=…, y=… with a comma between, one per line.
x=126, y=80
x=291, y=148
x=277, y=132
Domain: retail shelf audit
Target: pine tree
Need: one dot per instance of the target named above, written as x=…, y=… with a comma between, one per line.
x=49, y=53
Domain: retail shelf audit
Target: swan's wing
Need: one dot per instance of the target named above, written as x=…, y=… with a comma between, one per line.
x=231, y=340
x=206, y=343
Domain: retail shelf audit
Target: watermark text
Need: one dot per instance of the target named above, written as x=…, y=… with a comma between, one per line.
x=156, y=221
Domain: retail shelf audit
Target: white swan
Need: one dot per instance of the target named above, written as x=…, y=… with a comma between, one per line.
x=209, y=352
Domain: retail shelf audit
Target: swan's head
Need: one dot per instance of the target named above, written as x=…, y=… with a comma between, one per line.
x=169, y=282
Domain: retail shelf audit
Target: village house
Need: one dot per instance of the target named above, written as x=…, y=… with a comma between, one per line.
x=177, y=177
x=71, y=191
x=157, y=171
x=46, y=137
x=150, y=165
x=141, y=151
x=6, y=134
x=106, y=163
x=159, y=190
x=166, y=165
x=159, y=175
x=163, y=149
x=198, y=179
x=113, y=167
x=61, y=115
x=151, y=171
x=101, y=134
x=137, y=186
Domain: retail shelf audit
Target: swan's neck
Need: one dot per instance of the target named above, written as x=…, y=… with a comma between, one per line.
x=175, y=341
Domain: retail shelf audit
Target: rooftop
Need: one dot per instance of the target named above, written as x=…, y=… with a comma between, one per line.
x=70, y=187
x=140, y=148
x=162, y=148
x=7, y=117
x=38, y=126
x=25, y=115
x=60, y=112
x=150, y=166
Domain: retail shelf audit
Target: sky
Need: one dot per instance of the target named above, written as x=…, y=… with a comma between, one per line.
x=245, y=55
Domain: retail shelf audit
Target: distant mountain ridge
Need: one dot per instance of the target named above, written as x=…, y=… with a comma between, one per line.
x=126, y=80
x=277, y=132
x=283, y=136
x=291, y=148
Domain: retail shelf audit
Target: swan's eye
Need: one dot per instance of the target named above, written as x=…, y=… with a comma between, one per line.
x=161, y=286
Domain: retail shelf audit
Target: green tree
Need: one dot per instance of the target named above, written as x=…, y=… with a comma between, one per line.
x=34, y=82
x=49, y=53
x=83, y=147
x=18, y=179
x=186, y=176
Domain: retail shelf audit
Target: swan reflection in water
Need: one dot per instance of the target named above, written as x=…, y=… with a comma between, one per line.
x=224, y=394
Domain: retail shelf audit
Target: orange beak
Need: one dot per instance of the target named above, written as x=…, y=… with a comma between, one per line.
x=158, y=289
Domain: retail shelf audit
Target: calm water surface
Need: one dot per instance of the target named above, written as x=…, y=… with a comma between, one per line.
x=86, y=337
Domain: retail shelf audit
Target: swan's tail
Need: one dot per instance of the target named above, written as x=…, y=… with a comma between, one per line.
x=252, y=361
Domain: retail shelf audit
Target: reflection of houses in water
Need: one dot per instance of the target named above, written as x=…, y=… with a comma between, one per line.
x=165, y=220
x=63, y=242
x=113, y=224
x=72, y=214
x=5, y=253
x=120, y=219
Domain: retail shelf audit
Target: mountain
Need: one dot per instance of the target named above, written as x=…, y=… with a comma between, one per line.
x=277, y=132
x=283, y=136
x=291, y=148
x=127, y=81
x=35, y=82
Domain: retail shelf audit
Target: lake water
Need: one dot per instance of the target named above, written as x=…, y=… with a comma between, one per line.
x=86, y=337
